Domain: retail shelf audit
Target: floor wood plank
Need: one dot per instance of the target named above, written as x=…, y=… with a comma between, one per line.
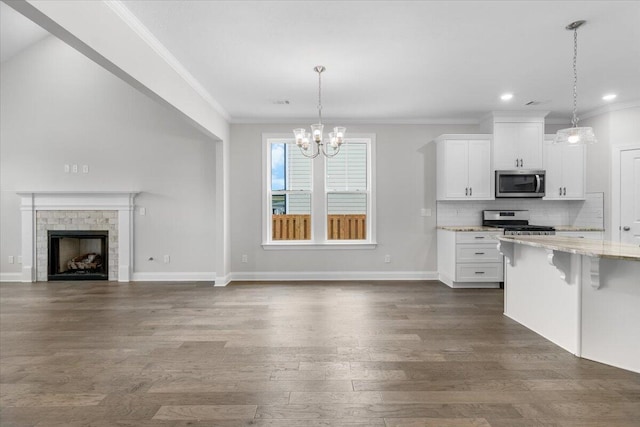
x=352, y=354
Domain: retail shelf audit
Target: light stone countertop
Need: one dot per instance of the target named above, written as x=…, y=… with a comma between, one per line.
x=589, y=247
x=483, y=228
x=469, y=228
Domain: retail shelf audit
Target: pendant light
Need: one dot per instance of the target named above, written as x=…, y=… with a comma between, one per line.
x=304, y=138
x=575, y=134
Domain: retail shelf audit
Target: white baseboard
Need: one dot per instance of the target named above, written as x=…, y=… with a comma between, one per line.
x=10, y=277
x=467, y=285
x=269, y=276
x=174, y=277
x=223, y=280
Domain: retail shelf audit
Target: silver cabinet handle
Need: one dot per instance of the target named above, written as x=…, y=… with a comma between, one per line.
x=466, y=191
x=516, y=162
x=479, y=237
x=479, y=253
x=560, y=191
x=471, y=191
x=521, y=163
x=564, y=192
x=626, y=228
x=479, y=272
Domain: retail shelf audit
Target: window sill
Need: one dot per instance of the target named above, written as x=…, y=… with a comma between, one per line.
x=273, y=246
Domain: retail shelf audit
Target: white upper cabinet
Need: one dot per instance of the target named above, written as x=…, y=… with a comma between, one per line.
x=480, y=169
x=565, y=170
x=517, y=145
x=464, y=168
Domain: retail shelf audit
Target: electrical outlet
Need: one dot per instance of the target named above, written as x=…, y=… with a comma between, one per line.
x=143, y=211
x=167, y=259
x=387, y=258
x=245, y=258
x=66, y=168
x=19, y=259
x=11, y=259
x=74, y=168
x=85, y=168
x=425, y=212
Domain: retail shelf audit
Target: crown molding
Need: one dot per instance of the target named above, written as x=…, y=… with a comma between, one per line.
x=610, y=108
x=400, y=121
x=143, y=32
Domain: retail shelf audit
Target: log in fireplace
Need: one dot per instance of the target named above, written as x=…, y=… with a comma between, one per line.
x=78, y=255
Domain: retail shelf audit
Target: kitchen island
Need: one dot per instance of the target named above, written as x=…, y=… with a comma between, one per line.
x=581, y=294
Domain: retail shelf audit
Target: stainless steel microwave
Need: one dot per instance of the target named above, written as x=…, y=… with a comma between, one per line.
x=519, y=183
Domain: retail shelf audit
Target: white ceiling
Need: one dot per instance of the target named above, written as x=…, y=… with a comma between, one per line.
x=16, y=32
x=399, y=61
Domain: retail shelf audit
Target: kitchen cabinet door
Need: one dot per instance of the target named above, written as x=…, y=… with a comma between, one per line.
x=553, y=170
x=464, y=170
x=573, y=171
x=530, y=136
x=505, y=146
x=454, y=176
x=479, y=169
x=565, y=171
x=517, y=146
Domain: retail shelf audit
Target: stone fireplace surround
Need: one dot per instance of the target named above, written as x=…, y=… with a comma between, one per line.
x=75, y=220
x=43, y=210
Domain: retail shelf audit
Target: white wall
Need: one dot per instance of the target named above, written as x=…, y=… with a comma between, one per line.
x=405, y=184
x=619, y=127
x=57, y=108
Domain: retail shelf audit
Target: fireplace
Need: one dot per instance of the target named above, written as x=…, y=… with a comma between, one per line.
x=44, y=211
x=78, y=255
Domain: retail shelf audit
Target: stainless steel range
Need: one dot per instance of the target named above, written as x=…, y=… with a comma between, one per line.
x=514, y=222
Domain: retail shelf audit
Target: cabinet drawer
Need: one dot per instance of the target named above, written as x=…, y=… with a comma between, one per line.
x=596, y=235
x=476, y=237
x=478, y=253
x=488, y=272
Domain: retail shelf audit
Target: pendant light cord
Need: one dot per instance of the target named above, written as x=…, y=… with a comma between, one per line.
x=575, y=119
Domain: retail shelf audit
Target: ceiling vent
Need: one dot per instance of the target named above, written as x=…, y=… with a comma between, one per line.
x=534, y=103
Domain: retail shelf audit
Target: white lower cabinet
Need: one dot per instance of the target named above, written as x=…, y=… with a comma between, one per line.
x=469, y=259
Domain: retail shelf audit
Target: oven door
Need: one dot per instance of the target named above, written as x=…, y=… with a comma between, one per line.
x=520, y=183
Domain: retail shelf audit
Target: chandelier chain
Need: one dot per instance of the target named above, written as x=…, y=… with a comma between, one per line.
x=575, y=119
x=320, y=97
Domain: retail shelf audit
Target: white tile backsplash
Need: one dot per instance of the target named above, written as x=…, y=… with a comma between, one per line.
x=584, y=213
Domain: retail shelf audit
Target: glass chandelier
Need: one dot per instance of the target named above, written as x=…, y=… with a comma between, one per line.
x=304, y=139
x=575, y=134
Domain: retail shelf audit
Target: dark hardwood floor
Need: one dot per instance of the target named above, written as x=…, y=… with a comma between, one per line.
x=294, y=354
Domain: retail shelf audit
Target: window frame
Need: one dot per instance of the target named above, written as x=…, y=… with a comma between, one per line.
x=319, y=194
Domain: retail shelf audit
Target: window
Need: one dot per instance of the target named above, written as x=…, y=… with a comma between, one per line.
x=321, y=201
x=290, y=193
x=346, y=193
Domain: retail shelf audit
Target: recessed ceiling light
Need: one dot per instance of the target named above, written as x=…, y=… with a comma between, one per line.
x=506, y=96
x=609, y=97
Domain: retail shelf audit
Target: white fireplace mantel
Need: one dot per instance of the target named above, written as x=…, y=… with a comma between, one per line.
x=121, y=201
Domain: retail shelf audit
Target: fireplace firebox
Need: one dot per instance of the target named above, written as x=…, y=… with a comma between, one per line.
x=78, y=255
